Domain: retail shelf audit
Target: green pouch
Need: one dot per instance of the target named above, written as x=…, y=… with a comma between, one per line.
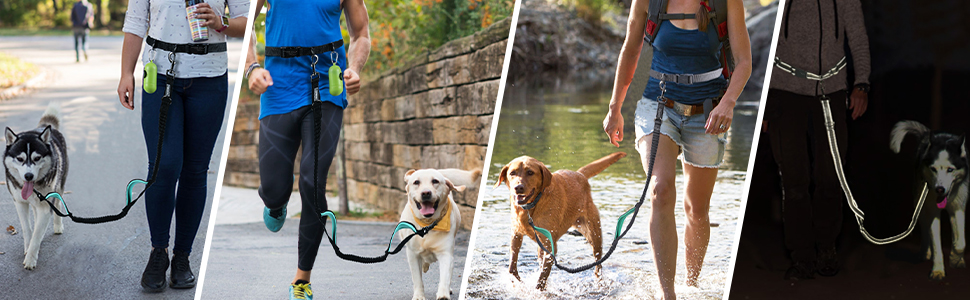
x=150, y=80
x=336, y=82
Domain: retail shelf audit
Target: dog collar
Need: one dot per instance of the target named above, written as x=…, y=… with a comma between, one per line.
x=443, y=225
x=532, y=204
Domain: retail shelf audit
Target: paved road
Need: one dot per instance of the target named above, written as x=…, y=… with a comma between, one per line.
x=106, y=149
x=247, y=261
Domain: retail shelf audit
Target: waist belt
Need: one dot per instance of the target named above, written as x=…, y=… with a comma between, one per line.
x=688, y=110
x=196, y=49
x=686, y=79
x=289, y=52
x=809, y=75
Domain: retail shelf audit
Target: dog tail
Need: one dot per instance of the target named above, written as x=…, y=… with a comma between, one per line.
x=51, y=117
x=462, y=177
x=601, y=164
x=902, y=129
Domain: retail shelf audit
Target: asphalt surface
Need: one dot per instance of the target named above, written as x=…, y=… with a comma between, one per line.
x=247, y=261
x=106, y=149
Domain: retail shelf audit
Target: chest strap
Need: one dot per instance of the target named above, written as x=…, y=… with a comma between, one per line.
x=290, y=52
x=195, y=49
x=686, y=79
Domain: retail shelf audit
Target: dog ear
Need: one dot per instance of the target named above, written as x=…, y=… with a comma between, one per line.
x=546, y=177
x=45, y=136
x=963, y=147
x=406, y=182
x=10, y=136
x=451, y=186
x=502, y=176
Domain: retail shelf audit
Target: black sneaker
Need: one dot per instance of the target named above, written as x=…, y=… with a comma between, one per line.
x=182, y=277
x=800, y=271
x=153, y=279
x=828, y=262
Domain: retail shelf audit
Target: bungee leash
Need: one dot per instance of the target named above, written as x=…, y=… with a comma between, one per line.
x=836, y=158
x=335, y=74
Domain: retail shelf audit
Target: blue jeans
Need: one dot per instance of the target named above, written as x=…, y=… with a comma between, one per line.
x=699, y=149
x=194, y=120
x=80, y=43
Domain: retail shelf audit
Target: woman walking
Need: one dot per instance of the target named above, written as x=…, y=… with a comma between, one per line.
x=697, y=114
x=194, y=75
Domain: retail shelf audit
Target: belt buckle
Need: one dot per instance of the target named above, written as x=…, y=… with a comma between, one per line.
x=682, y=109
x=685, y=79
x=290, y=51
x=198, y=48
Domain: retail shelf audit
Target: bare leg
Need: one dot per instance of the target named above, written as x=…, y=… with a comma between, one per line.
x=663, y=195
x=697, y=204
x=301, y=275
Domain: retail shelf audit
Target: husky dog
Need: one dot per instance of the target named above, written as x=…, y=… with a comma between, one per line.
x=36, y=160
x=943, y=165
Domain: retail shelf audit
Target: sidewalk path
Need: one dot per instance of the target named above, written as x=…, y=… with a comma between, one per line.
x=106, y=149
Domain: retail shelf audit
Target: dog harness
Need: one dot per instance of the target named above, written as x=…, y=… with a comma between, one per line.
x=836, y=157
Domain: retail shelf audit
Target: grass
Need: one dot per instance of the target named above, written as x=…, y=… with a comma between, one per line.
x=8, y=31
x=14, y=71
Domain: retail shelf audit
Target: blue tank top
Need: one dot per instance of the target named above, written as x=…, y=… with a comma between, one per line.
x=301, y=23
x=681, y=51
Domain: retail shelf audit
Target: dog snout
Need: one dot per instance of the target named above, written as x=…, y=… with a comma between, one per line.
x=29, y=176
x=940, y=190
x=426, y=195
x=519, y=189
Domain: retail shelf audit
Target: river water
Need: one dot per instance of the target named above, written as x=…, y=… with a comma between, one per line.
x=558, y=120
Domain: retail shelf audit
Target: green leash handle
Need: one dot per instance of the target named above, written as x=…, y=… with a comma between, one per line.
x=333, y=223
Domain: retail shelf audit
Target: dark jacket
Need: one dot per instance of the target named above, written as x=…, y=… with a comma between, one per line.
x=813, y=29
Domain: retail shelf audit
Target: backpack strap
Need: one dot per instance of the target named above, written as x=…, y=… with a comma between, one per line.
x=656, y=9
x=719, y=19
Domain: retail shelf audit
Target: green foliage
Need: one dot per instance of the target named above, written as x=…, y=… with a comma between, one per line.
x=592, y=10
x=14, y=71
x=41, y=14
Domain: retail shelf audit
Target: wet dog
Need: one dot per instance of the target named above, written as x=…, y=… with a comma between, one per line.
x=943, y=167
x=559, y=201
x=429, y=200
x=36, y=160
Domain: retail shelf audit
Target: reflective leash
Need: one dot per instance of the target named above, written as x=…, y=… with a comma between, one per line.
x=632, y=212
x=335, y=75
x=162, y=122
x=836, y=158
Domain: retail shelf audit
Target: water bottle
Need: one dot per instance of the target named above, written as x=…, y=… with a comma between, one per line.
x=199, y=32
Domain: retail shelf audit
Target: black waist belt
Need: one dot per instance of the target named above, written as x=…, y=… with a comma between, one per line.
x=197, y=49
x=289, y=52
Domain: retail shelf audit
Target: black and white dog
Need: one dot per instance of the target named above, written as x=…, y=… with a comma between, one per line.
x=943, y=164
x=36, y=160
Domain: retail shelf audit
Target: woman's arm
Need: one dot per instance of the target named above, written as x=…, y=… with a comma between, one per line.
x=259, y=79
x=627, y=66
x=357, y=19
x=723, y=114
x=129, y=57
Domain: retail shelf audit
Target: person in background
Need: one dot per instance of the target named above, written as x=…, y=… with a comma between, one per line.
x=82, y=16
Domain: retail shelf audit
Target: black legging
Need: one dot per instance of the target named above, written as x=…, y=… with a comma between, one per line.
x=279, y=139
x=796, y=126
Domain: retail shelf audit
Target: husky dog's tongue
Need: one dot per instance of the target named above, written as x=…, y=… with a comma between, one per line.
x=940, y=205
x=28, y=188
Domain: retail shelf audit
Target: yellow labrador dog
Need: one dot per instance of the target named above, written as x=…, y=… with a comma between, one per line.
x=429, y=200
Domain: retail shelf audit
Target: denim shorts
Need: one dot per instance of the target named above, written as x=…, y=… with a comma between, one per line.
x=697, y=148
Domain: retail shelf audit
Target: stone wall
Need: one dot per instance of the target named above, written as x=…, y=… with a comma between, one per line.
x=434, y=113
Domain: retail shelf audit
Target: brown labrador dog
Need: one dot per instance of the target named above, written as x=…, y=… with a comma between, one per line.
x=561, y=200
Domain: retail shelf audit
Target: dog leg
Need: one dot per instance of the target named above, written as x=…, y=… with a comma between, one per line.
x=416, y=263
x=591, y=230
x=23, y=212
x=959, y=239
x=938, y=273
x=513, y=264
x=446, y=265
x=41, y=220
x=546, y=267
x=58, y=221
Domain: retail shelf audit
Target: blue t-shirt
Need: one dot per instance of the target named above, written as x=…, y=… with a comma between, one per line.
x=681, y=51
x=301, y=23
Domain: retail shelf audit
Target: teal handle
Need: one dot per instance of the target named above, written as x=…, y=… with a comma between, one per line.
x=400, y=225
x=333, y=222
x=619, y=224
x=131, y=185
x=548, y=235
x=68, y=211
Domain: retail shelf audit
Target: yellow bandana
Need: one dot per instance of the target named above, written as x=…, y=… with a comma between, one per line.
x=443, y=225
